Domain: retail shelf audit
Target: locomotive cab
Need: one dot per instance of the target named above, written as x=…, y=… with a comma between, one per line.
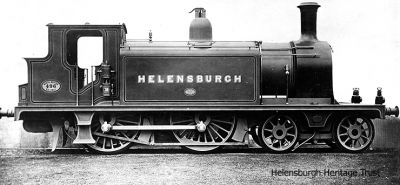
x=58, y=77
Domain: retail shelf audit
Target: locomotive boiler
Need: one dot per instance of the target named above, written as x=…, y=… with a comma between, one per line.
x=200, y=94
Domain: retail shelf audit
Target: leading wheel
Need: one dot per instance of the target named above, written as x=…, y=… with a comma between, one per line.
x=278, y=133
x=354, y=133
x=105, y=144
x=218, y=129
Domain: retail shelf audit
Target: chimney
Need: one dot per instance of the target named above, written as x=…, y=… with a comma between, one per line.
x=308, y=12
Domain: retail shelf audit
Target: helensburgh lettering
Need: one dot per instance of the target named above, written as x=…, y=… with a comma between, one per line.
x=149, y=79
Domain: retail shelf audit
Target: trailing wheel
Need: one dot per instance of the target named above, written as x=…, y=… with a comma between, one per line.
x=278, y=133
x=212, y=130
x=354, y=133
x=105, y=143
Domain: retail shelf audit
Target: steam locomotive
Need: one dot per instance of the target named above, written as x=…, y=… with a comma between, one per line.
x=200, y=94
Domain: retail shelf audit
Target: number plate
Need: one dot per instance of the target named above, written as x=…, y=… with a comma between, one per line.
x=51, y=86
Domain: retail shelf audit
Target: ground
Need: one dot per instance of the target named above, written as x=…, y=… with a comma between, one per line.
x=173, y=166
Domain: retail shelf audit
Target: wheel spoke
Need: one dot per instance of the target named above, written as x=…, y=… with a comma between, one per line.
x=112, y=144
x=289, y=134
x=119, y=124
x=189, y=134
x=287, y=141
x=180, y=133
x=278, y=122
x=221, y=121
x=212, y=138
x=219, y=127
x=124, y=135
x=358, y=141
x=286, y=121
x=198, y=137
x=269, y=130
x=273, y=125
x=183, y=121
x=104, y=142
x=348, y=121
x=96, y=127
x=127, y=121
x=343, y=134
x=364, y=137
x=365, y=129
x=347, y=139
x=216, y=132
x=347, y=128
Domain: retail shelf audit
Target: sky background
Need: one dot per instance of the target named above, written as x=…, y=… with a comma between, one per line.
x=364, y=34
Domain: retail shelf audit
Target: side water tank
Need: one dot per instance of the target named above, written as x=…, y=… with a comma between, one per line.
x=200, y=27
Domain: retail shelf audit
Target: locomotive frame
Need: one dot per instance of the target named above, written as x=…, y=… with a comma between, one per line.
x=284, y=97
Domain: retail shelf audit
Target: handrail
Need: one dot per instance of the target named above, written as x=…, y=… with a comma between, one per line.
x=91, y=79
x=77, y=84
x=190, y=44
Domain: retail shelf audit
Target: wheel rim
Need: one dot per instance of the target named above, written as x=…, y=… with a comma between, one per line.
x=219, y=129
x=355, y=133
x=279, y=133
x=109, y=145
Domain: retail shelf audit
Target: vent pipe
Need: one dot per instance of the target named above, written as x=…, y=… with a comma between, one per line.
x=308, y=12
x=200, y=27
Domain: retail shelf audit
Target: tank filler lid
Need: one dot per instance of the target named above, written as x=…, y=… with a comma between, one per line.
x=199, y=12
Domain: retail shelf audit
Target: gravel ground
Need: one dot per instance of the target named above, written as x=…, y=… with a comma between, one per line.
x=171, y=166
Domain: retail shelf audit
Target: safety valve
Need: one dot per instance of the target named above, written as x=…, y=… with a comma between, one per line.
x=379, y=99
x=356, y=98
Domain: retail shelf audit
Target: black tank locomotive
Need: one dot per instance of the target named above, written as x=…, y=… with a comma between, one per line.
x=199, y=94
